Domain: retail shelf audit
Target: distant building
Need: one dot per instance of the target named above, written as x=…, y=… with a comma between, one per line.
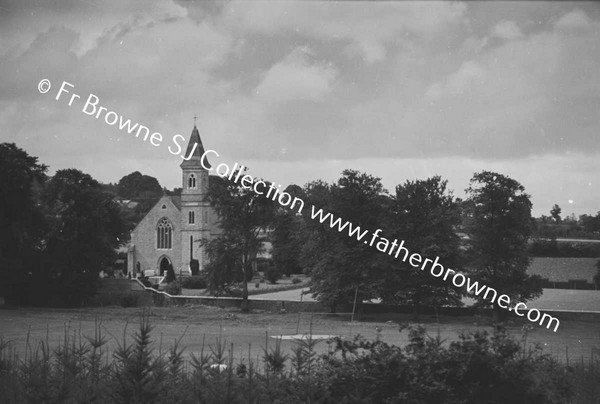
x=170, y=234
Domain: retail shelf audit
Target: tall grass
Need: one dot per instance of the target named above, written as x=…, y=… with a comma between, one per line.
x=477, y=368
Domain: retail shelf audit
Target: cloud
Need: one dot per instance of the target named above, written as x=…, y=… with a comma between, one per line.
x=367, y=30
x=297, y=77
x=468, y=76
x=574, y=19
x=311, y=84
x=506, y=30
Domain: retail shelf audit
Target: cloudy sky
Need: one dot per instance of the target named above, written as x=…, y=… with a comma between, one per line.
x=301, y=90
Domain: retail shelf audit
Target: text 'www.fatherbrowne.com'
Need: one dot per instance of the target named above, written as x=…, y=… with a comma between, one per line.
x=399, y=251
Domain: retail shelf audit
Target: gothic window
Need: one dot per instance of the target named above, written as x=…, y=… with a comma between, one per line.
x=164, y=235
x=192, y=181
x=191, y=217
x=205, y=217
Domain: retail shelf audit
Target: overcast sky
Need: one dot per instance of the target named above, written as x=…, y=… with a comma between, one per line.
x=299, y=91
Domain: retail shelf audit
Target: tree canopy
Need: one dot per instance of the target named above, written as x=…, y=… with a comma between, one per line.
x=21, y=218
x=426, y=215
x=499, y=224
x=243, y=216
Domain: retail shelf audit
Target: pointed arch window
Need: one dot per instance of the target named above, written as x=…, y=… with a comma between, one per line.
x=205, y=217
x=192, y=181
x=191, y=217
x=164, y=235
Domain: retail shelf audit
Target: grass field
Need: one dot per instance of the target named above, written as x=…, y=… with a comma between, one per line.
x=247, y=332
x=564, y=269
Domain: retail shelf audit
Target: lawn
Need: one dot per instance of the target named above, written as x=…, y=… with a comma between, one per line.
x=564, y=269
x=246, y=333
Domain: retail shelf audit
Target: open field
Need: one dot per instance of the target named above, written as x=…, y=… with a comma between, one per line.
x=247, y=331
x=559, y=269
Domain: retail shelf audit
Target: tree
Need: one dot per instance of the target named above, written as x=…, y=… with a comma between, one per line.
x=288, y=236
x=342, y=267
x=140, y=188
x=425, y=215
x=499, y=225
x=134, y=185
x=555, y=213
x=590, y=224
x=21, y=219
x=243, y=216
x=85, y=228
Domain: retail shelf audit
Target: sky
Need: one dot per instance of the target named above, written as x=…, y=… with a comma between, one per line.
x=299, y=91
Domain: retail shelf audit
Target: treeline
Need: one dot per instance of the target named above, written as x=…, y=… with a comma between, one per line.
x=563, y=249
x=58, y=232
x=555, y=226
x=485, y=235
x=61, y=230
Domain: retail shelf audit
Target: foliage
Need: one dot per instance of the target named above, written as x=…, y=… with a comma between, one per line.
x=170, y=274
x=425, y=215
x=85, y=224
x=21, y=219
x=273, y=275
x=499, y=224
x=340, y=265
x=173, y=288
x=243, y=215
x=144, y=190
x=555, y=213
x=195, y=266
x=565, y=249
x=584, y=227
x=478, y=368
x=296, y=280
x=131, y=299
x=288, y=236
x=194, y=282
x=135, y=185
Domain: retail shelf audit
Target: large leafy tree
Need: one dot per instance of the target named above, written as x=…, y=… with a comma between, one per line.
x=342, y=267
x=136, y=185
x=85, y=224
x=143, y=189
x=243, y=216
x=288, y=236
x=425, y=215
x=499, y=224
x=21, y=219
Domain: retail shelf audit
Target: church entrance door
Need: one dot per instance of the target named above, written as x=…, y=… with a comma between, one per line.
x=164, y=266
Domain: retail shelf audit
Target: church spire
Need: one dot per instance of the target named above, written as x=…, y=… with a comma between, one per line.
x=194, y=151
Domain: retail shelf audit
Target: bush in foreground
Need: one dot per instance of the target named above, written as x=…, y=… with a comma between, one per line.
x=194, y=282
x=479, y=368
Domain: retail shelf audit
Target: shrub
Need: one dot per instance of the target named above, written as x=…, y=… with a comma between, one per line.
x=479, y=368
x=130, y=300
x=194, y=282
x=173, y=288
x=296, y=280
x=272, y=275
x=195, y=266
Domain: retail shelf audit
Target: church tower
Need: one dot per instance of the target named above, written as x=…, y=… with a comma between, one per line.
x=194, y=202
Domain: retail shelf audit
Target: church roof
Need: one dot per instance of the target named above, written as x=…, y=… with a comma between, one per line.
x=176, y=199
x=194, y=144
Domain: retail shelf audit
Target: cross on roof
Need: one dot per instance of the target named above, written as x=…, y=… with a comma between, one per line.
x=194, y=119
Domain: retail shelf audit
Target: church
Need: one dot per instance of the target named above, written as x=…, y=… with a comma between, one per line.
x=171, y=234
